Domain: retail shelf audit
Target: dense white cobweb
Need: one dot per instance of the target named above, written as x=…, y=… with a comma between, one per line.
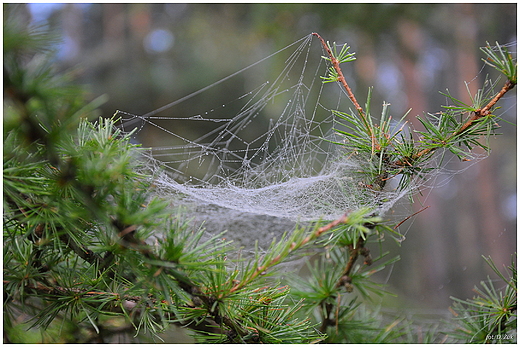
x=259, y=162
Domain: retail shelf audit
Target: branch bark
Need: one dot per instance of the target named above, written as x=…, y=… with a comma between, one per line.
x=129, y=303
x=341, y=78
x=486, y=110
x=478, y=114
x=319, y=231
x=352, y=97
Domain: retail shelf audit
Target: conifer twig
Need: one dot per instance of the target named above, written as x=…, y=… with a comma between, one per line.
x=477, y=114
x=45, y=289
x=129, y=302
x=410, y=216
x=276, y=260
x=485, y=111
x=341, y=78
x=352, y=97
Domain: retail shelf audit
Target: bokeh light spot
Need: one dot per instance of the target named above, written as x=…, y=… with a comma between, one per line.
x=158, y=41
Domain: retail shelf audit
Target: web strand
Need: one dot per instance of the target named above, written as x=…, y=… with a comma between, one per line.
x=271, y=158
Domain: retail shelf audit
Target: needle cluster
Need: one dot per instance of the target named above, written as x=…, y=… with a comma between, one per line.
x=87, y=244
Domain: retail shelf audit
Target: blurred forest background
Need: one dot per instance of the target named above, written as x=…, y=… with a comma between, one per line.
x=143, y=56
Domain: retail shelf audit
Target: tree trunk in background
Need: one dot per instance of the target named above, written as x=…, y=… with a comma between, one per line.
x=113, y=23
x=444, y=248
x=465, y=260
x=484, y=210
x=425, y=248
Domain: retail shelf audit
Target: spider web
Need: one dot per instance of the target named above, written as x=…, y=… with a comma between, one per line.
x=258, y=163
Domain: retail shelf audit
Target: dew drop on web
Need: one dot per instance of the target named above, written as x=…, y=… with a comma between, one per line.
x=266, y=159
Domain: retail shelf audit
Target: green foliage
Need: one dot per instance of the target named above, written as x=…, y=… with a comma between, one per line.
x=392, y=148
x=499, y=58
x=86, y=240
x=343, y=57
x=490, y=316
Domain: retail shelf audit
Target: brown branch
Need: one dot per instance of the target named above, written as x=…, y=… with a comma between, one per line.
x=480, y=113
x=343, y=81
x=342, y=220
x=345, y=280
x=262, y=269
x=341, y=78
x=83, y=252
x=326, y=310
x=486, y=110
x=129, y=303
x=410, y=216
x=58, y=290
x=354, y=253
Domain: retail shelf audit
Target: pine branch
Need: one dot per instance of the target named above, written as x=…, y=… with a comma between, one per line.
x=477, y=115
x=129, y=303
x=83, y=252
x=406, y=163
x=289, y=249
x=176, y=279
x=340, y=78
x=486, y=110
